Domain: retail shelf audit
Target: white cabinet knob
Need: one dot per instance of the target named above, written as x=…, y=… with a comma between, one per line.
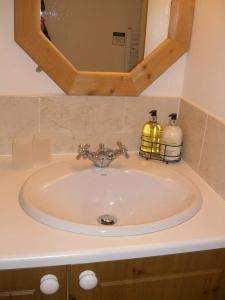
x=49, y=284
x=88, y=280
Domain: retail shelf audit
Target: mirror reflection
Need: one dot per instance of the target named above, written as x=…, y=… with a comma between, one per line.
x=105, y=36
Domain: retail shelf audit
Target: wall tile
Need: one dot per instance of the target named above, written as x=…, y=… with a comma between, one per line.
x=136, y=114
x=193, y=123
x=70, y=121
x=63, y=119
x=212, y=165
x=204, y=144
x=18, y=116
x=73, y=120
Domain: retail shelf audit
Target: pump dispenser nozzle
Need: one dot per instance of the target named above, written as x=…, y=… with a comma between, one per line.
x=173, y=118
x=153, y=113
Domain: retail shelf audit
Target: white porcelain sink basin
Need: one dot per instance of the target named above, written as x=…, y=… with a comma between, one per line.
x=73, y=198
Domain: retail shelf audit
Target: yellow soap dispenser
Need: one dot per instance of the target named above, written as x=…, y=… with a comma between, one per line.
x=151, y=135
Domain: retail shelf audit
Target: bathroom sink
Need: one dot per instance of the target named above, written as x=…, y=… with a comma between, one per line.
x=115, y=201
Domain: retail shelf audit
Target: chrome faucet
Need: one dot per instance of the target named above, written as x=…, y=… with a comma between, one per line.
x=103, y=156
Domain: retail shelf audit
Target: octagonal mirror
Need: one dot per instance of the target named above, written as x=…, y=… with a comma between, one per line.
x=98, y=47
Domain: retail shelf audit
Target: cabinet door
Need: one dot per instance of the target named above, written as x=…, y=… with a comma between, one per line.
x=25, y=284
x=191, y=276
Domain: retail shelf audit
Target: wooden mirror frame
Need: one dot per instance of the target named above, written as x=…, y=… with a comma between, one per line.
x=74, y=82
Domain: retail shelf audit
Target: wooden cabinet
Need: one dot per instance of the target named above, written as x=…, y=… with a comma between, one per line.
x=25, y=284
x=191, y=276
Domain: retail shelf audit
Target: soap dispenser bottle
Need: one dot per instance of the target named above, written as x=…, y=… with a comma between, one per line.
x=151, y=135
x=171, y=140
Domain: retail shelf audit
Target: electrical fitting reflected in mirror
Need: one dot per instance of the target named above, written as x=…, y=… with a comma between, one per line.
x=105, y=36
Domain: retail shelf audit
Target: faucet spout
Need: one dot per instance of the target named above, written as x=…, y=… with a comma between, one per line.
x=103, y=156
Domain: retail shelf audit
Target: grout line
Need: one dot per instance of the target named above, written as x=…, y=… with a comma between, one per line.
x=203, y=143
x=178, y=107
x=123, y=118
x=39, y=114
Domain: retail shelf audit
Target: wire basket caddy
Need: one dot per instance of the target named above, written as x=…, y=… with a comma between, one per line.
x=161, y=151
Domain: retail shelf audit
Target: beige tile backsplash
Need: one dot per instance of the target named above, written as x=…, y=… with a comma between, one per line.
x=70, y=121
x=18, y=116
x=212, y=163
x=204, y=144
x=193, y=123
x=75, y=120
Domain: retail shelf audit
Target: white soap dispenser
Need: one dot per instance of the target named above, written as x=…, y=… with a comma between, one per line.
x=172, y=140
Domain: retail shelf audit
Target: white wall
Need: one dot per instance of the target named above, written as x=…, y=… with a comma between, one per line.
x=204, y=82
x=18, y=74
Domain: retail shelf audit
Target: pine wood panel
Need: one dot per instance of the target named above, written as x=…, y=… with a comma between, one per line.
x=156, y=63
x=23, y=284
x=99, y=83
x=190, y=276
x=74, y=82
x=182, y=14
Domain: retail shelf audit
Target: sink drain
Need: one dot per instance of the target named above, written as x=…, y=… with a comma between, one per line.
x=107, y=220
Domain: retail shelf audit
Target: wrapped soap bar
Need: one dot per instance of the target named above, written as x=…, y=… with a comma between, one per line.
x=22, y=152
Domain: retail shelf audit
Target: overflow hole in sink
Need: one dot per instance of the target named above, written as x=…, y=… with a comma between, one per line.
x=107, y=220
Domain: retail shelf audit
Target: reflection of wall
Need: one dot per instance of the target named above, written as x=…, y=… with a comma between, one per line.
x=82, y=30
x=157, y=31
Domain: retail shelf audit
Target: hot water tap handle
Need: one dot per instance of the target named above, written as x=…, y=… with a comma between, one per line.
x=123, y=149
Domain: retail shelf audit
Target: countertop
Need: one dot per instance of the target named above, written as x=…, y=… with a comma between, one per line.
x=26, y=243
